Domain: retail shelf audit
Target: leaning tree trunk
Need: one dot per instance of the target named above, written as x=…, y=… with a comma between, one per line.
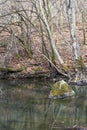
x=52, y=42
x=78, y=60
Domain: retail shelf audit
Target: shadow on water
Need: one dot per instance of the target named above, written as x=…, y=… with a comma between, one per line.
x=24, y=105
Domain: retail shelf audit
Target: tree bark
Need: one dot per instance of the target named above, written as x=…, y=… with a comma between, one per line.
x=52, y=42
x=78, y=60
x=72, y=25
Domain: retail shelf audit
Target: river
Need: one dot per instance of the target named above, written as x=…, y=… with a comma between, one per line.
x=24, y=105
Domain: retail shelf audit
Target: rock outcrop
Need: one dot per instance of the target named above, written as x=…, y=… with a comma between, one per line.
x=61, y=90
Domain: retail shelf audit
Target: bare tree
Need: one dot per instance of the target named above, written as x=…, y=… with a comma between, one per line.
x=78, y=60
x=42, y=18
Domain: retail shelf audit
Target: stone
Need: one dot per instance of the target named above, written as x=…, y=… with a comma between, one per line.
x=61, y=89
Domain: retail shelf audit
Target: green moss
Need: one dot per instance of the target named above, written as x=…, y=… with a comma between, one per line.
x=38, y=69
x=17, y=56
x=9, y=69
x=80, y=63
x=2, y=69
x=14, y=69
x=3, y=43
x=30, y=54
x=24, y=68
x=53, y=58
x=61, y=87
x=65, y=68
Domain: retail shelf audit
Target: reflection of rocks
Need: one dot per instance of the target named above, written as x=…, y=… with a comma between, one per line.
x=61, y=90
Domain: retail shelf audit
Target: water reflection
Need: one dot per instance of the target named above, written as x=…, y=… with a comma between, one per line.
x=25, y=106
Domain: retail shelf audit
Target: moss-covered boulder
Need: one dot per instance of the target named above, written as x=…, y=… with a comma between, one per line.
x=61, y=90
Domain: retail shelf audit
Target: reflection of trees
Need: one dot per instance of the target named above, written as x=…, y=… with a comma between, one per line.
x=43, y=114
x=21, y=117
x=33, y=111
x=80, y=111
x=23, y=114
x=67, y=113
x=20, y=112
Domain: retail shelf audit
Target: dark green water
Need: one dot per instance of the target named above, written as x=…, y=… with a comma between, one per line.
x=24, y=105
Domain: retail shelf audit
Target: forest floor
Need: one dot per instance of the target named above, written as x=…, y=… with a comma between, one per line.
x=38, y=63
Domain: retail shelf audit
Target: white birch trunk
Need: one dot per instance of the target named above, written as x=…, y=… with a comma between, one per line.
x=50, y=34
x=79, y=63
x=72, y=24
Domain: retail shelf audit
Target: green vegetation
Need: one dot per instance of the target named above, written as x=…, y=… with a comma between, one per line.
x=61, y=88
x=80, y=63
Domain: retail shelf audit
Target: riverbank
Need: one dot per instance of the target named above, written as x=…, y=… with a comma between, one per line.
x=16, y=63
x=11, y=73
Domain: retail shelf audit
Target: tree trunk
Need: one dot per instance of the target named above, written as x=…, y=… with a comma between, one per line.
x=72, y=24
x=52, y=42
x=78, y=60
